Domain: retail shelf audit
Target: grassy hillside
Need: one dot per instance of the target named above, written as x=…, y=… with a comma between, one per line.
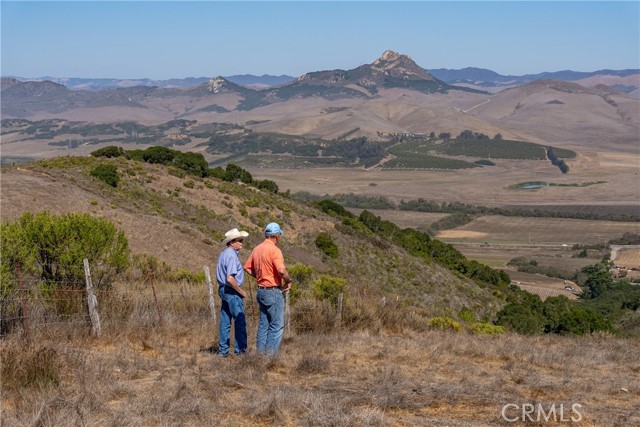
x=387, y=362
x=179, y=219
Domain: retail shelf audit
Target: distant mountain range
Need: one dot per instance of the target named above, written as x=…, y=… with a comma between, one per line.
x=487, y=78
x=392, y=95
x=471, y=76
x=81, y=83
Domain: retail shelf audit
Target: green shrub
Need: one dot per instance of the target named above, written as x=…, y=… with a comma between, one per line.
x=268, y=185
x=329, y=288
x=185, y=275
x=326, y=245
x=300, y=276
x=486, y=329
x=466, y=315
x=445, y=323
x=217, y=172
x=106, y=173
x=111, y=151
x=189, y=183
x=53, y=248
x=522, y=318
x=235, y=173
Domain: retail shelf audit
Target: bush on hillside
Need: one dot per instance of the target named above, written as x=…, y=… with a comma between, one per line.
x=481, y=328
x=325, y=243
x=111, y=151
x=235, y=173
x=52, y=248
x=217, y=172
x=106, y=173
x=268, y=185
x=329, y=288
x=445, y=323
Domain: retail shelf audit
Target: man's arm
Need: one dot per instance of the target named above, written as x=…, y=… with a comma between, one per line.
x=285, y=276
x=231, y=280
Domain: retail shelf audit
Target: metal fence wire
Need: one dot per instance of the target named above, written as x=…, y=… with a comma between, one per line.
x=29, y=305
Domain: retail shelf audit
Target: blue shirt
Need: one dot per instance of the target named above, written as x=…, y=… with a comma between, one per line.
x=229, y=265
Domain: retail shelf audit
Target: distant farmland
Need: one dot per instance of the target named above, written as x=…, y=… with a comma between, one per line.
x=615, y=210
x=550, y=231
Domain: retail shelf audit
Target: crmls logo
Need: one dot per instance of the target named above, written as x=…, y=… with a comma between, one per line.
x=512, y=412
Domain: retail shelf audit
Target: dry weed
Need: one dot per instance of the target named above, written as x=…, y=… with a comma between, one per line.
x=395, y=373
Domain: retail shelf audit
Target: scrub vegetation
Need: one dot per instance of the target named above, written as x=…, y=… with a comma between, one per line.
x=421, y=328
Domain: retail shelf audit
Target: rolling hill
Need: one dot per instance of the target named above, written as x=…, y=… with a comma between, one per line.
x=179, y=220
x=391, y=95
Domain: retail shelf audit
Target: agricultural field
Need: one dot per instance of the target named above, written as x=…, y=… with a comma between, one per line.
x=629, y=257
x=543, y=286
x=538, y=231
x=425, y=161
x=481, y=148
x=616, y=191
x=497, y=256
x=496, y=240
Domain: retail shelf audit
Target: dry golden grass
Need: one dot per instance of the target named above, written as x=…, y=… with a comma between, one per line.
x=395, y=373
x=543, y=231
x=628, y=257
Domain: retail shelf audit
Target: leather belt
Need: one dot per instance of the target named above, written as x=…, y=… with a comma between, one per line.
x=268, y=287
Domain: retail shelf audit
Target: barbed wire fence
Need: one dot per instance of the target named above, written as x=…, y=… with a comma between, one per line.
x=34, y=305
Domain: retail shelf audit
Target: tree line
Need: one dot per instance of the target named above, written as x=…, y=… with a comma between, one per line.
x=192, y=163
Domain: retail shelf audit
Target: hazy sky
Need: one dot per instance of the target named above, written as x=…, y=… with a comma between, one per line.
x=165, y=39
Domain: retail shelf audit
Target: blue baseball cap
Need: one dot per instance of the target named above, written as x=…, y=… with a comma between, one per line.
x=272, y=229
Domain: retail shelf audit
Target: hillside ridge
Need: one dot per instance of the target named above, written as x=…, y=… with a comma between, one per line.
x=181, y=220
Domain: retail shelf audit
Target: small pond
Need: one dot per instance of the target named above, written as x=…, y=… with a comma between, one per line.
x=531, y=185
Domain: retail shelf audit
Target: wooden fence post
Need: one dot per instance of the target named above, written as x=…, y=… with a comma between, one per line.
x=151, y=279
x=92, y=301
x=287, y=313
x=339, y=314
x=212, y=301
x=23, y=306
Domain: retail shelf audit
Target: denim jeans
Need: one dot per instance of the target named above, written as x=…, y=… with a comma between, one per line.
x=271, y=325
x=232, y=307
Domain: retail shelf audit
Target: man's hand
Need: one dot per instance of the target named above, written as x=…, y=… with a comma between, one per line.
x=231, y=280
x=287, y=286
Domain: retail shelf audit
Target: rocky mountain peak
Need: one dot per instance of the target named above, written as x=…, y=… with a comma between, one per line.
x=216, y=84
x=398, y=65
x=390, y=56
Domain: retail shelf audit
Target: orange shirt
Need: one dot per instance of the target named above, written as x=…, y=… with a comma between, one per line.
x=264, y=262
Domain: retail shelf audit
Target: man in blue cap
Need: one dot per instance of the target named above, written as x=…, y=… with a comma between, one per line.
x=266, y=264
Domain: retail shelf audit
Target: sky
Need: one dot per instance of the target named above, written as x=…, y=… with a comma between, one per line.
x=169, y=39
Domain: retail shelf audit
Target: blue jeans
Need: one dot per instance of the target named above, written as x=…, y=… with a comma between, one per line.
x=232, y=307
x=271, y=325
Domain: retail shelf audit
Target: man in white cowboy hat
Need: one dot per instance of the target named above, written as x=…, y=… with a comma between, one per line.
x=230, y=276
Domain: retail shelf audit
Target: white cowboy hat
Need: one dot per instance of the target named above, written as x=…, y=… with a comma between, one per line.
x=233, y=234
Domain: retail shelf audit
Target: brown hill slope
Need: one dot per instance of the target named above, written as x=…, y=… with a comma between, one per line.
x=392, y=94
x=180, y=220
x=567, y=113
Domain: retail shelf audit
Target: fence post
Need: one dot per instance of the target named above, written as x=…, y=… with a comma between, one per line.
x=212, y=301
x=92, y=301
x=339, y=314
x=23, y=306
x=151, y=279
x=287, y=313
